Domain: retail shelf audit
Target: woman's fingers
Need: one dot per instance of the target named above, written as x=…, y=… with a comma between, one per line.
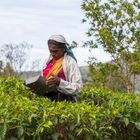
x=53, y=81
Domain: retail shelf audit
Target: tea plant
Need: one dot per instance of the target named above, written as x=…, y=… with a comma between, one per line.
x=100, y=114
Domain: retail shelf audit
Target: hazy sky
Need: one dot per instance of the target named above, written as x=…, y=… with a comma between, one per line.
x=34, y=21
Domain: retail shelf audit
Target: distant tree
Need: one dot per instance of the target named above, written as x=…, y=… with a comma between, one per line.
x=106, y=75
x=1, y=67
x=15, y=55
x=74, y=44
x=8, y=71
x=115, y=27
x=35, y=65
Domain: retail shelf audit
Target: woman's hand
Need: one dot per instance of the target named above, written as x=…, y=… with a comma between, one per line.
x=53, y=81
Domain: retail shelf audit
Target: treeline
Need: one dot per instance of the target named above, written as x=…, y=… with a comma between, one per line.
x=14, y=59
x=114, y=26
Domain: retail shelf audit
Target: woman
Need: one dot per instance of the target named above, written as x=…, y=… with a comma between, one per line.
x=61, y=71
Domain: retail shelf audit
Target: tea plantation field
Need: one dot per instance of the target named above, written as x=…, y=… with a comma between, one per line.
x=99, y=115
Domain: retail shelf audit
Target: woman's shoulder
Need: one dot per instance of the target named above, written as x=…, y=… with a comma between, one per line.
x=70, y=62
x=69, y=58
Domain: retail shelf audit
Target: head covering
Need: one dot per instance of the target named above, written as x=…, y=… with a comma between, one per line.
x=58, y=38
x=61, y=39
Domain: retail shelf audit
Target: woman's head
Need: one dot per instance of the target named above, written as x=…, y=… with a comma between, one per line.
x=57, y=46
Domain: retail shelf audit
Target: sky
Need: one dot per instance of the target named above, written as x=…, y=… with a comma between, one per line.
x=33, y=21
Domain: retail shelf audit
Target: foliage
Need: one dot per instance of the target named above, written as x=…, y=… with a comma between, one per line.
x=106, y=75
x=1, y=67
x=15, y=55
x=101, y=114
x=115, y=27
x=8, y=70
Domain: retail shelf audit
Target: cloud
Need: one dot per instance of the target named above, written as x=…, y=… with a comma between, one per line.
x=38, y=18
x=83, y=54
x=34, y=21
x=41, y=3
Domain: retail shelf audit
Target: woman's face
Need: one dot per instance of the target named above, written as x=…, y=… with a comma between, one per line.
x=56, y=51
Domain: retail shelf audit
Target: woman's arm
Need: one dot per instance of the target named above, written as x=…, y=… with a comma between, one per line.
x=73, y=85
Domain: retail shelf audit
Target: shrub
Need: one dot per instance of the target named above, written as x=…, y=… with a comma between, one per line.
x=99, y=115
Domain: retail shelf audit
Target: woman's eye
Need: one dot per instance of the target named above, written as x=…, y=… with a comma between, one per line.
x=53, y=51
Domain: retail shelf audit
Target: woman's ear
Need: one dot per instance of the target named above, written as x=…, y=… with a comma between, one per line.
x=65, y=48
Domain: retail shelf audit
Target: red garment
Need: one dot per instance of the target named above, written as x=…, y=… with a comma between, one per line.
x=49, y=66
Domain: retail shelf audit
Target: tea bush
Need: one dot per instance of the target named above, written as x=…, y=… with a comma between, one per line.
x=100, y=115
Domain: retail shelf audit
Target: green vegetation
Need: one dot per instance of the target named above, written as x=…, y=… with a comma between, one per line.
x=114, y=26
x=100, y=115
